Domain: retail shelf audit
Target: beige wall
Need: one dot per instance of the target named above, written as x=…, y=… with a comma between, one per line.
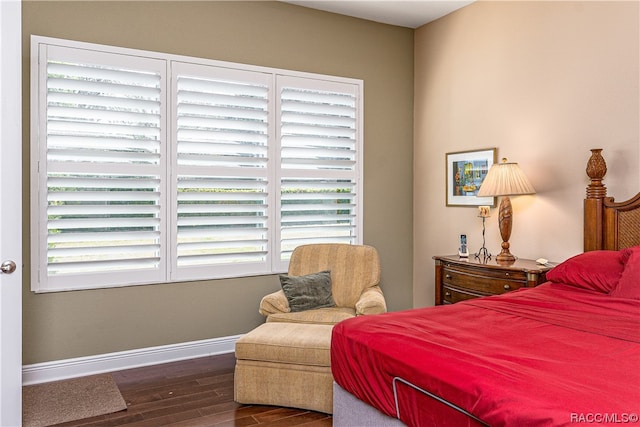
x=73, y=324
x=543, y=82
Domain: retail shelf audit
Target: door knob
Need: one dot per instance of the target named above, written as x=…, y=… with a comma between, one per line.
x=8, y=267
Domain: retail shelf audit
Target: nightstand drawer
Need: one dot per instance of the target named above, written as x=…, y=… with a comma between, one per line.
x=451, y=296
x=489, y=282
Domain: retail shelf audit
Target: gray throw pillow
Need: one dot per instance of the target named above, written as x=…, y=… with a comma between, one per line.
x=308, y=292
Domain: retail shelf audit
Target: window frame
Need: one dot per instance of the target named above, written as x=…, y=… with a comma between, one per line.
x=168, y=272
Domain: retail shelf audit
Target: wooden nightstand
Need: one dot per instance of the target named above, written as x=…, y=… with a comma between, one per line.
x=459, y=279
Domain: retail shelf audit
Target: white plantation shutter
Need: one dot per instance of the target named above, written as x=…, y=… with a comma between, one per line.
x=153, y=168
x=320, y=157
x=102, y=167
x=222, y=137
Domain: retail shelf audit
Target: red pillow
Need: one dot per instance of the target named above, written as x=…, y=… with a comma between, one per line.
x=629, y=284
x=595, y=270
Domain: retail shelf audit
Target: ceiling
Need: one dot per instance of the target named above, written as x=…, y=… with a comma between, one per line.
x=411, y=13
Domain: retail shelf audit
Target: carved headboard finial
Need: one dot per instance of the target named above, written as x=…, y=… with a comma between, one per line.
x=596, y=170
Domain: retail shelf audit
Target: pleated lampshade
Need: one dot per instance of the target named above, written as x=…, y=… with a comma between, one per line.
x=505, y=179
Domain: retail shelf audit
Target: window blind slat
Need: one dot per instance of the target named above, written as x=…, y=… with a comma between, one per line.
x=311, y=163
x=220, y=220
x=102, y=143
x=73, y=116
x=79, y=128
x=103, y=182
x=222, y=149
x=202, y=160
x=241, y=139
x=319, y=115
x=102, y=156
x=239, y=242
x=309, y=219
x=313, y=130
x=215, y=184
x=66, y=268
x=102, y=223
x=346, y=196
x=112, y=252
x=312, y=207
x=220, y=86
x=103, y=102
x=247, y=109
x=109, y=239
x=71, y=84
x=204, y=198
x=222, y=209
x=213, y=104
x=318, y=185
x=290, y=141
x=223, y=124
x=290, y=244
x=103, y=72
x=314, y=96
x=304, y=231
x=317, y=153
x=103, y=209
x=224, y=234
x=102, y=196
x=230, y=257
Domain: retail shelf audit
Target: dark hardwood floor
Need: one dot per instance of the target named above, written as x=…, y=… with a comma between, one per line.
x=196, y=392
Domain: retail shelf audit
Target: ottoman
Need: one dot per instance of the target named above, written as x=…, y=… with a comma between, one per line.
x=285, y=364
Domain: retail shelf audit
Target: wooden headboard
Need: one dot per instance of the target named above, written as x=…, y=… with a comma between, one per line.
x=607, y=224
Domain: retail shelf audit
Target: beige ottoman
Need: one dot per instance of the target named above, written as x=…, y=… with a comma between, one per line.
x=285, y=364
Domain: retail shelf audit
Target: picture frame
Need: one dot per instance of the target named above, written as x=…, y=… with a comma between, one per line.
x=465, y=172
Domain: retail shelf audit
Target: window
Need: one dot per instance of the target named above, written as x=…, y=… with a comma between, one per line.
x=151, y=168
x=318, y=162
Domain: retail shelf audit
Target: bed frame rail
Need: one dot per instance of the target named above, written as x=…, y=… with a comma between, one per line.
x=433, y=396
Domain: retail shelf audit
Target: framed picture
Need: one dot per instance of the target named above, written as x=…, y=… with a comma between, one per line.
x=466, y=171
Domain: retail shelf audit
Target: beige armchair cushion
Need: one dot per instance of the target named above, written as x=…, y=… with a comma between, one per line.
x=320, y=316
x=355, y=278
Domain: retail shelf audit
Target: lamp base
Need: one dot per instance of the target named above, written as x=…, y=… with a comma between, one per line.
x=505, y=218
x=505, y=257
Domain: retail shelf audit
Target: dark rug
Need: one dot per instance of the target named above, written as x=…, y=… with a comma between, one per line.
x=69, y=400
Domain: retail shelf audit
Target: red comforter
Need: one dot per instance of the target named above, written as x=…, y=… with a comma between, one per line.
x=550, y=356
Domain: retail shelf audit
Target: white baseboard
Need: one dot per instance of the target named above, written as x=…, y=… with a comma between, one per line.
x=109, y=362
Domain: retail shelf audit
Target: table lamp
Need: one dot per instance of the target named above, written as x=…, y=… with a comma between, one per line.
x=505, y=179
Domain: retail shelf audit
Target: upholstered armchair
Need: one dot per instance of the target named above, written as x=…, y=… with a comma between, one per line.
x=286, y=361
x=355, y=278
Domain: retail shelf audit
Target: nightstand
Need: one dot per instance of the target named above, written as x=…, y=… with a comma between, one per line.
x=459, y=279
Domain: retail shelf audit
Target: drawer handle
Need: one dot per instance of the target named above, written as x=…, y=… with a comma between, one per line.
x=448, y=276
x=447, y=294
x=507, y=287
x=506, y=274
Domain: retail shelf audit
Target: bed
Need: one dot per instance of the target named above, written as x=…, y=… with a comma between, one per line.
x=565, y=352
